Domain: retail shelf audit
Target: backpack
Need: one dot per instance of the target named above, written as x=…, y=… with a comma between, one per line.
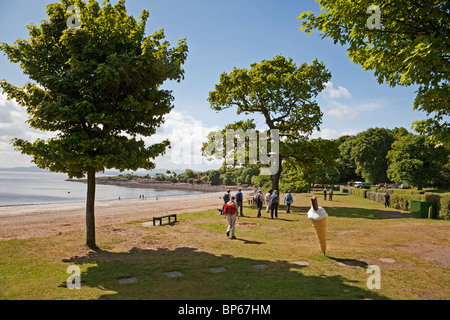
x=289, y=198
x=226, y=197
x=229, y=208
x=239, y=196
x=274, y=198
x=258, y=199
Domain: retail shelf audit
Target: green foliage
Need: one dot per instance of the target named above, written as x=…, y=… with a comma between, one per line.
x=359, y=192
x=369, y=152
x=229, y=178
x=190, y=174
x=247, y=175
x=444, y=208
x=214, y=177
x=97, y=88
x=312, y=161
x=416, y=161
x=410, y=48
x=282, y=92
x=375, y=196
x=401, y=201
x=261, y=181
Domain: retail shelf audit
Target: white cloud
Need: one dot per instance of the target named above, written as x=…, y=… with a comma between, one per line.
x=345, y=111
x=185, y=133
x=341, y=111
x=186, y=136
x=330, y=134
x=334, y=93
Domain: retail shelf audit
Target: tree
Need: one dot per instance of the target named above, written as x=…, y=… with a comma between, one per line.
x=411, y=47
x=313, y=161
x=214, y=177
x=345, y=163
x=417, y=161
x=279, y=90
x=97, y=87
x=215, y=146
x=369, y=152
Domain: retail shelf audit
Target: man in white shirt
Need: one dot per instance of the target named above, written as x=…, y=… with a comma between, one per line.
x=268, y=195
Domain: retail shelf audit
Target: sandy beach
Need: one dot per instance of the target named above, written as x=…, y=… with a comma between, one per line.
x=28, y=221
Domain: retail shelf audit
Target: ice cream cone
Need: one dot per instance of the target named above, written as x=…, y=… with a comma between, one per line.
x=321, y=232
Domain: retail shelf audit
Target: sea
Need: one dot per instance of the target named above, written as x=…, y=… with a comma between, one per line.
x=44, y=187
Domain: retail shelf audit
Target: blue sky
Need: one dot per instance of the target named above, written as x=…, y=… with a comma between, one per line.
x=220, y=36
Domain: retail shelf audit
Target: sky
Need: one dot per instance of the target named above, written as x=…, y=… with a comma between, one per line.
x=221, y=35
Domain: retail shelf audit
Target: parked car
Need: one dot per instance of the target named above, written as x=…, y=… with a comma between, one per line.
x=393, y=186
x=382, y=185
x=358, y=184
x=405, y=186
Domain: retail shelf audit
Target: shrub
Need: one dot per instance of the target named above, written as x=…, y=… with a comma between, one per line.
x=359, y=192
x=214, y=177
x=261, y=181
x=444, y=208
x=401, y=201
x=375, y=196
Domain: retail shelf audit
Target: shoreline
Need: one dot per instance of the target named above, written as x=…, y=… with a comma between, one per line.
x=43, y=220
x=145, y=183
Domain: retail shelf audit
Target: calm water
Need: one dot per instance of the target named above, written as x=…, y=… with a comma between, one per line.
x=18, y=187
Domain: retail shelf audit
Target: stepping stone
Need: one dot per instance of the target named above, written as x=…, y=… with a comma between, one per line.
x=217, y=269
x=301, y=263
x=387, y=260
x=173, y=274
x=260, y=266
x=127, y=280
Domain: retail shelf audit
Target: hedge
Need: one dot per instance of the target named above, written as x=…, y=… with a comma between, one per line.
x=375, y=196
x=401, y=201
x=444, y=208
x=359, y=192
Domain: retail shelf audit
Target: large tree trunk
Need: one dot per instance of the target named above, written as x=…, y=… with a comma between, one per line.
x=90, y=205
x=276, y=176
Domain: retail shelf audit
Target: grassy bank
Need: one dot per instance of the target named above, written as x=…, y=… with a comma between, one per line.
x=413, y=256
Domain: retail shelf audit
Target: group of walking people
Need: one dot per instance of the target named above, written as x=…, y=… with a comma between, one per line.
x=330, y=194
x=233, y=206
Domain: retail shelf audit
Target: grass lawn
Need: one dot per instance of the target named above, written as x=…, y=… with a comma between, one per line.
x=412, y=254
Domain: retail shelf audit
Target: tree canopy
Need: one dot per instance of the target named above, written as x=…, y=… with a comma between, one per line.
x=282, y=92
x=417, y=161
x=97, y=87
x=411, y=47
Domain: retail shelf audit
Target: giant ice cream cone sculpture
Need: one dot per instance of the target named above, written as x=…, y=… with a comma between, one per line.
x=318, y=217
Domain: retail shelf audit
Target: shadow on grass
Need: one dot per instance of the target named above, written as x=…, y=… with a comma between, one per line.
x=352, y=212
x=243, y=278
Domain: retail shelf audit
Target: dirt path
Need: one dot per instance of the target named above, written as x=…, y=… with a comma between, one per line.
x=21, y=222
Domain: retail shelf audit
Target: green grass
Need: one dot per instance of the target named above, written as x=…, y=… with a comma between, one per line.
x=358, y=235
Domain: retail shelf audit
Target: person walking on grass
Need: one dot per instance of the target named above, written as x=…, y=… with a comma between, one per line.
x=230, y=214
x=330, y=194
x=226, y=197
x=274, y=202
x=288, y=199
x=239, y=202
x=259, y=201
x=325, y=194
x=387, y=199
x=268, y=195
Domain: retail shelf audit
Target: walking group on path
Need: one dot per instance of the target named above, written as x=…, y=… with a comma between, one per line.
x=233, y=206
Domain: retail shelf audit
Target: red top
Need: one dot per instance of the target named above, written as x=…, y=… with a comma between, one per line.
x=229, y=208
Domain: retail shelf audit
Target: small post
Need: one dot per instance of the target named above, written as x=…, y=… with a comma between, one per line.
x=315, y=203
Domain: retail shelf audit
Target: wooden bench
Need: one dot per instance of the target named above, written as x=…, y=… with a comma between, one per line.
x=174, y=215
x=250, y=201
